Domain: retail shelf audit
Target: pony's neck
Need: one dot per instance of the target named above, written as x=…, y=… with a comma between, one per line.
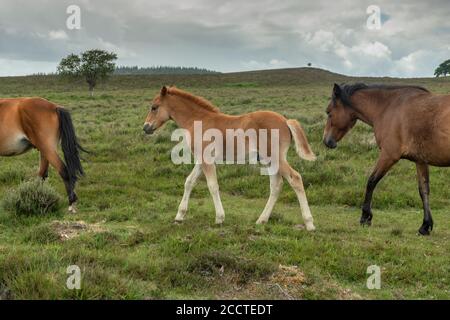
x=185, y=112
x=366, y=107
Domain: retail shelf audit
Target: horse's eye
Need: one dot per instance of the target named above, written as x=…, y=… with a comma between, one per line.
x=154, y=108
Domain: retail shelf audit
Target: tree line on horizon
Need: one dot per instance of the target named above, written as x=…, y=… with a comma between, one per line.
x=161, y=70
x=96, y=65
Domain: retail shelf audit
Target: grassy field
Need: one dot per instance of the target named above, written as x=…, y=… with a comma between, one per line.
x=127, y=245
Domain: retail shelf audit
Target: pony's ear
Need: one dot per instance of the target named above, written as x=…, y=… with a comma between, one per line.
x=163, y=91
x=336, y=90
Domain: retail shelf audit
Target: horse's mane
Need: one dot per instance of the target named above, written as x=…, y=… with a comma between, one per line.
x=347, y=90
x=202, y=102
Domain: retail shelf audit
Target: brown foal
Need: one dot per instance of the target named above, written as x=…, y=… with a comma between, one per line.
x=409, y=123
x=27, y=123
x=187, y=110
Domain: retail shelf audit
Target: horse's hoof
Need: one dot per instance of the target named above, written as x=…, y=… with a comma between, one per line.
x=310, y=227
x=72, y=209
x=261, y=221
x=424, y=230
x=365, y=221
x=178, y=221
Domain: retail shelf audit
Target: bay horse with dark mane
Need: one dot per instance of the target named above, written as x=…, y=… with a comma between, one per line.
x=27, y=123
x=409, y=123
x=187, y=110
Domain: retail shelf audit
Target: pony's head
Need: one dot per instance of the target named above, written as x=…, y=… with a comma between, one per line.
x=159, y=112
x=341, y=118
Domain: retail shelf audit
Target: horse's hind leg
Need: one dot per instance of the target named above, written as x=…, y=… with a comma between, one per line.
x=296, y=182
x=54, y=159
x=43, y=167
x=190, y=183
x=424, y=190
x=276, y=183
x=211, y=179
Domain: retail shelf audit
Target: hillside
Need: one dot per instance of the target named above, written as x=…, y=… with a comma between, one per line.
x=277, y=77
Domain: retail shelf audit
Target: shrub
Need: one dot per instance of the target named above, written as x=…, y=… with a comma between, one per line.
x=33, y=197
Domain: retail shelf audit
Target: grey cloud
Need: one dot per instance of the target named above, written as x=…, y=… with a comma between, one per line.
x=231, y=35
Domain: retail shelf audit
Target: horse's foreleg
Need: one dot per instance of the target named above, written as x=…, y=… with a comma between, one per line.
x=211, y=178
x=424, y=190
x=276, y=183
x=190, y=183
x=382, y=167
x=43, y=167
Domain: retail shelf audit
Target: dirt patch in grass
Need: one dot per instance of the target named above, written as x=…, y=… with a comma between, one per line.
x=67, y=230
x=286, y=283
x=288, y=275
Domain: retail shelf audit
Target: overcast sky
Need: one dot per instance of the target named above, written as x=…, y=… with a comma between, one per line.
x=233, y=35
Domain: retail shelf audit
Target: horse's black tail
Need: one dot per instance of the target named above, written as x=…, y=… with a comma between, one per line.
x=70, y=146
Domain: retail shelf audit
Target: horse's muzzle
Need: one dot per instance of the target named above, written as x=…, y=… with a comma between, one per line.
x=148, y=128
x=330, y=142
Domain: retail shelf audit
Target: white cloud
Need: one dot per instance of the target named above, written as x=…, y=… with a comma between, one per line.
x=373, y=49
x=260, y=65
x=323, y=40
x=58, y=35
x=124, y=53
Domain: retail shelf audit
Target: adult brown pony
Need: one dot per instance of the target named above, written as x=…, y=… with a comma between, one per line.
x=27, y=123
x=185, y=109
x=409, y=123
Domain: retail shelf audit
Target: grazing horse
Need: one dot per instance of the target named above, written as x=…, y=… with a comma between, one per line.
x=27, y=123
x=409, y=123
x=186, y=109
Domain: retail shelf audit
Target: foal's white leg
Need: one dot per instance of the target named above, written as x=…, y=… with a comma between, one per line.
x=190, y=183
x=295, y=180
x=276, y=183
x=211, y=178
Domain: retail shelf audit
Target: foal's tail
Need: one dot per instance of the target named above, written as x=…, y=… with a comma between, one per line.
x=70, y=146
x=301, y=142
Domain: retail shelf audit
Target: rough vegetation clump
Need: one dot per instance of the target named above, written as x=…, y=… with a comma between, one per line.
x=33, y=197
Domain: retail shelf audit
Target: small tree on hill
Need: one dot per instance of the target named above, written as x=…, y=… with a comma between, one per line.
x=92, y=65
x=443, y=69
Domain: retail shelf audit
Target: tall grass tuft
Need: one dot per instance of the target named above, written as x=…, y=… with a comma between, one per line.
x=33, y=197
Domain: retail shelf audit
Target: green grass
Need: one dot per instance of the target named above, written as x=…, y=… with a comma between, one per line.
x=132, y=189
